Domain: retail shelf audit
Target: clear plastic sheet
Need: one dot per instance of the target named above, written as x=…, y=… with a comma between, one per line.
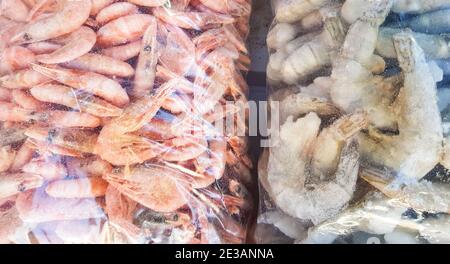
x=124, y=121
x=360, y=92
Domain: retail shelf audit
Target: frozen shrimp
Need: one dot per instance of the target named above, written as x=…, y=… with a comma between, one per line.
x=178, y=54
x=43, y=47
x=22, y=157
x=115, y=11
x=118, y=147
x=144, y=78
x=422, y=196
x=281, y=34
x=124, y=29
x=124, y=52
x=25, y=100
x=101, y=64
x=15, y=183
x=291, y=11
x=15, y=58
x=183, y=148
x=295, y=70
x=158, y=188
x=352, y=10
x=14, y=113
x=82, y=141
x=37, y=207
x=47, y=169
x=91, y=82
x=289, y=180
x=416, y=150
x=23, y=79
x=434, y=46
x=89, y=167
x=68, y=19
x=77, y=44
x=77, y=188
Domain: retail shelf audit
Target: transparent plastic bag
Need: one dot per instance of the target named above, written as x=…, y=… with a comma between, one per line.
x=124, y=121
x=359, y=90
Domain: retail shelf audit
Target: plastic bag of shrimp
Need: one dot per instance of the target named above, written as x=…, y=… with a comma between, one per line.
x=112, y=117
x=359, y=137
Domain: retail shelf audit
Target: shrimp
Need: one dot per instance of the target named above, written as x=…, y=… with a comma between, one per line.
x=23, y=156
x=423, y=196
x=295, y=70
x=15, y=183
x=287, y=11
x=101, y=64
x=144, y=78
x=119, y=148
x=7, y=156
x=124, y=52
x=148, y=3
x=89, y=167
x=286, y=179
x=47, y=169
x=23, y=79
x=68, y=19
x=14, y=9
x=115, y=11
x=47, y=149
x=381, y=216
x=281, y=34
x=94, y=83
x=331, y=141
x=56, y=118
x=37, y=207
x=158, y=188
x=10, y=223
x=434, y=46
x=15, y=58
x=351, y=70
x=77, y=44
x=191, y=19
x=178, y=54
x=73, y=139
x=25, y=100
x=417, y=149
x=120, y=210
x=77, y=188
x=183, y=148
x=43, y=47
x=124, y=29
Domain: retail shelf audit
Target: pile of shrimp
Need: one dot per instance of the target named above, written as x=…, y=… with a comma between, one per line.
x=109, y=113
x=360, y=87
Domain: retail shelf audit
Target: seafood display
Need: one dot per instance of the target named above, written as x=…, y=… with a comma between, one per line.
x=112, y=121
x=360, y=92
